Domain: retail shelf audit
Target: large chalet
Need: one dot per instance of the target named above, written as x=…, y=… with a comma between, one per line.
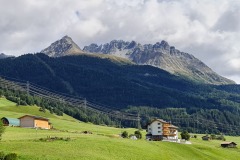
x=159, y=129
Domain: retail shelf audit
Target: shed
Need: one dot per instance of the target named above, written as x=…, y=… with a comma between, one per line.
x=206, y=138
x=30, y=121
x=10, y=121
x=229, y=144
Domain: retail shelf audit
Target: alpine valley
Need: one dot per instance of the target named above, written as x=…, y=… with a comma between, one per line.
x=154, y=80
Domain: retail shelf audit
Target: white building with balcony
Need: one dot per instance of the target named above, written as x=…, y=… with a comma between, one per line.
x=159, y=129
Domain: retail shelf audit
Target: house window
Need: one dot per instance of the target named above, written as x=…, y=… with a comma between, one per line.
x=159, y=127
x=159, y=131
x=158, y=123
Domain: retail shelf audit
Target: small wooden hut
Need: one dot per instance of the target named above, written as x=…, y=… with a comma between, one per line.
x=229, y=144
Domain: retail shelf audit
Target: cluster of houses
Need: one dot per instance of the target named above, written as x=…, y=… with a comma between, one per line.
x=27, y=121
x=160, y=130
x=223, y=144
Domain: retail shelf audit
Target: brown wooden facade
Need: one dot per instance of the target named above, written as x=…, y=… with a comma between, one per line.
x=29, y=121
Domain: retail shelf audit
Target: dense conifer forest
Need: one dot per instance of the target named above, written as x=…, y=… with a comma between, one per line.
x=138, y=89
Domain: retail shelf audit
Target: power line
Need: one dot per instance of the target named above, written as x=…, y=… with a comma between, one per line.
x=36, y=90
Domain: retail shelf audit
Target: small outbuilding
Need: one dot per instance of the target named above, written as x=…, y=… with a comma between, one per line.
x=133, y=137
x=206, y=138
x=29, y=121
x=229, y=144
x=10, y=121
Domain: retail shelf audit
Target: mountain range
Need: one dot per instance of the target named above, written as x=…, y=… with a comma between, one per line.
x=163, y=56
x=118, y=82
x=160, y=55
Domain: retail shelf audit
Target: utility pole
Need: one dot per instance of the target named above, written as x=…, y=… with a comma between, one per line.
x=28, y=88
x=85, y=104
x=194, y=126
x=138, y=122
x=197, y=123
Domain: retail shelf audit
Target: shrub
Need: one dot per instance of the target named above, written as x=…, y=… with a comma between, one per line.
x=51, y=139
x=42, y=109
x=125, y=134
x=138, y=134
x=2, y=155
x=221, y=137
x=213, y=136
x=185, y=135
x=11, y=156
x=195, y=136
x=2, y=129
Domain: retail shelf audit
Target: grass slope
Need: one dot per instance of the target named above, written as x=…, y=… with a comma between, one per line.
x=103, y=144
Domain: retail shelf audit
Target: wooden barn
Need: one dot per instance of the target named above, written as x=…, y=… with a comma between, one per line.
x=10, y=121
x=29, y=121
x=229, y=144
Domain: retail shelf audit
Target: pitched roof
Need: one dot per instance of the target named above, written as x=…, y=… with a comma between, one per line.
x=229, y=143
x=160, y=120
x=172, y=126
x=35, y=117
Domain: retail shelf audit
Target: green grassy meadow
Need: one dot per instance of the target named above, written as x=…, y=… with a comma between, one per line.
x=103, y=144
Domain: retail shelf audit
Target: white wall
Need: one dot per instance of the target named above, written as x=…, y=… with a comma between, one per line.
x=154, y=128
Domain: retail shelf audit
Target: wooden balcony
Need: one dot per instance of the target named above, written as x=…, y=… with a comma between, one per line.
x=172, y=134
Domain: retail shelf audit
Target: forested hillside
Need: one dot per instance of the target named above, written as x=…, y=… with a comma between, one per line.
x=120, y=85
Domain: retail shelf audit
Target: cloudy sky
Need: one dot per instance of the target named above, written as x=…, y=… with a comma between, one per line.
x=208, y=29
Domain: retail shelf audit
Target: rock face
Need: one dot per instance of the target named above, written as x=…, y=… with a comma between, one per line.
x=163, y=56
x=62, y=47
x=2, y=56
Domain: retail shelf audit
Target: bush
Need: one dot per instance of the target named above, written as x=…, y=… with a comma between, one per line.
x=2, y=129
x=195, y=136
x=221, y=137
x=125, y=134
x=213, y=136
x=185, y=135
x=2, y=155
x=41, y=109
x=138, y=134
x=11, y=156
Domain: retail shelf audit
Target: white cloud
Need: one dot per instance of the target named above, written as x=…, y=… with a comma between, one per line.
x=208, y=29
x=88, y=28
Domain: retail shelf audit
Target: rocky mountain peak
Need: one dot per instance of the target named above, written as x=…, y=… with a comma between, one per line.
x=163, y=56
x=132, y=45
x=2, y=56
x=160, y=55
x=62, y=47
